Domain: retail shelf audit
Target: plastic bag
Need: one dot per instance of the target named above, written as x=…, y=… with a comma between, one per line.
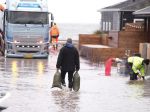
x=57, y=80
x=76, y=81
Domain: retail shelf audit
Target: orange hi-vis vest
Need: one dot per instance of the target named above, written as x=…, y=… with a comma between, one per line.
x=54, y=31
x=1, y=7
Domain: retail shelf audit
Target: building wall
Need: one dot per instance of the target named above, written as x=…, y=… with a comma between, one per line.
x=93, y=39
x=116, y=21
x=113, y=39
x=95, y=48
x=106, y=21
x=129, y=40
x=110, y=21
x=89, y=39
x=119, y=44
x=98, y=55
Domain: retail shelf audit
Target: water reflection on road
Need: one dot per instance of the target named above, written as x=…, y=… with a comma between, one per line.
x=29, y=83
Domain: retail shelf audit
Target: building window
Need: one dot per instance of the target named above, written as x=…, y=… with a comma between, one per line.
x=103, y=26
x=106, y=26
x=109, y=25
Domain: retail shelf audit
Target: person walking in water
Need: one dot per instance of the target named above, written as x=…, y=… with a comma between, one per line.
x=54, y=34
x=136, y=67
x=68, y=61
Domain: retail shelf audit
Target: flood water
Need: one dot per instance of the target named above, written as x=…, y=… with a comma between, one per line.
x=29, y=82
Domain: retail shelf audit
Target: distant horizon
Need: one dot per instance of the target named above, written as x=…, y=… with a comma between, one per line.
x=73, y=30
x=84, y=23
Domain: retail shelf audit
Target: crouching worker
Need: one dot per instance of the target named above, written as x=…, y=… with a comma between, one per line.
x=136, y=67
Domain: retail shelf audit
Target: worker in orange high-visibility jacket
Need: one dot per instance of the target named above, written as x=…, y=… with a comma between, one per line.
x=2, y=7
x=54, y=34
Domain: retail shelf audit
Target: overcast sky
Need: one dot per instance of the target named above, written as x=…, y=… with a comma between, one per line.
x=78, y=11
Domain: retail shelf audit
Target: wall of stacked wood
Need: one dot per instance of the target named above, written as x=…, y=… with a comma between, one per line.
x=127, y=39
x=89, y=39
x=120, y=44
x=98, y=54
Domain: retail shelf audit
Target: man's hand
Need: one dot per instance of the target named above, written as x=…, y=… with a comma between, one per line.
x=143, y=77
x=139, y=76
x=77, y=70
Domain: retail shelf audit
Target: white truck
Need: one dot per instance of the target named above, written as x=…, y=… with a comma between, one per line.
x=26, y=28
x=2, y=43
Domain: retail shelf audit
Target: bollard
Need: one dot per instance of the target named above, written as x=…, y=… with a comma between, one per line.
x=108, y=64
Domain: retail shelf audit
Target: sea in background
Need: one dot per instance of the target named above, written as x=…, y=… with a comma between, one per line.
x=72, y=30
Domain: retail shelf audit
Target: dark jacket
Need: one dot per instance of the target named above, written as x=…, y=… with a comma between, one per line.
x=68, y=58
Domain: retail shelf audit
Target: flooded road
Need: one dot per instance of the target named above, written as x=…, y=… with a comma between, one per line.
x=29, y=82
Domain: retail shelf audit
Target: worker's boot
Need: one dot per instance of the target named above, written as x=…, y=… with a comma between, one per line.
x=70, y=89
x=63, y=82
x=56, y=46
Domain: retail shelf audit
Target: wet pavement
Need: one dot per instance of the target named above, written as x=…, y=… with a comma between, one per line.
x=29, y=82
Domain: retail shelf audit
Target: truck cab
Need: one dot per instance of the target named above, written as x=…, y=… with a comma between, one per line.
x=27, y=28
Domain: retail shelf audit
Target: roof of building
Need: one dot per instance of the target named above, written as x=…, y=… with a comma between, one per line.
x=143, y=11
x=137, y=5
x=128, y=5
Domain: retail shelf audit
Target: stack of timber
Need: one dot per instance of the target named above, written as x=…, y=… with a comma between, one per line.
x=100, y=48
x=100, y=53
x=134, y=27
x=96, y=49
